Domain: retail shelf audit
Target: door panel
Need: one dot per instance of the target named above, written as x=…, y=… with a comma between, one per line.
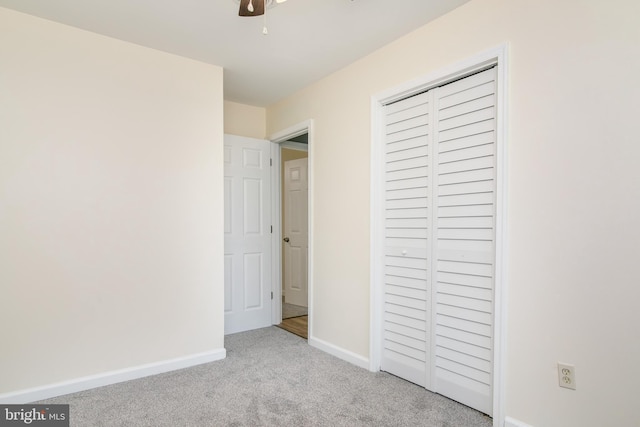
x=247, y=226
x=253, y=281
x=465, y=223
x=406, y=322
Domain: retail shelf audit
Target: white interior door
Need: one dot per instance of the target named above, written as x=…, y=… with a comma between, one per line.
x=440, y=189
x=247, y=231
x=296, y=241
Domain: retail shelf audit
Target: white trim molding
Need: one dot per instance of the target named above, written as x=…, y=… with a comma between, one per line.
x=276, y=242
x=112, y=377
x=511, y=422
x=292, y=145
x=292, y=131
x=497, y=56
x=339, y=352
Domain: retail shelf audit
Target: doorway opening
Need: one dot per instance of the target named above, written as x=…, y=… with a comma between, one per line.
x=292, y=229
x=294, y=191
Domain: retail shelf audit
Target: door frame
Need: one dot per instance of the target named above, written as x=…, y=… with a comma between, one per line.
x=278, y=140
x=498, y=57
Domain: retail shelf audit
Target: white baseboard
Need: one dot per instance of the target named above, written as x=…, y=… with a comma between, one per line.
x=510, y=422
x=339, y=352
x=108, y=378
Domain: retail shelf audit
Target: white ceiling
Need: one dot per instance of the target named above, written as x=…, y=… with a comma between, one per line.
x=307, y=40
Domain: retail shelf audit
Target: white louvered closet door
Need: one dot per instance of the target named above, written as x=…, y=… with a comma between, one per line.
x=458, y=234
x=406, y=320
x=464, y=225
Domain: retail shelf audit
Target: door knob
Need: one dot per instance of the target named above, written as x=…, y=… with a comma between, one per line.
x=286, y=239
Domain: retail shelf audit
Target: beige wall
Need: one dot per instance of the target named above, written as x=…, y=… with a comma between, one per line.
x=111, y=218
x=573, y=196
x=245, y=120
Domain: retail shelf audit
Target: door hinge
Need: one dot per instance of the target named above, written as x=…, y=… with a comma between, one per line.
x=272, y=229
x=270, y=162
x=272, y=295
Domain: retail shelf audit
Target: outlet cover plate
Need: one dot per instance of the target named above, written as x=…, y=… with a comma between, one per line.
x=566, y=376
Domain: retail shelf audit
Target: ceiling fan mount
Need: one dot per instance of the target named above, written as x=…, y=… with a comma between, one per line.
x=254, y=7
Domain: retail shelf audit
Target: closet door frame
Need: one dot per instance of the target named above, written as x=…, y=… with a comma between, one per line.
x=493, y=57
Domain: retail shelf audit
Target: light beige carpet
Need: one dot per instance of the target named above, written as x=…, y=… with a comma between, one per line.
x=269, y=378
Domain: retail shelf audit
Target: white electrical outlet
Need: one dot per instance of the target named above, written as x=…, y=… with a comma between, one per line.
x=566, y=376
